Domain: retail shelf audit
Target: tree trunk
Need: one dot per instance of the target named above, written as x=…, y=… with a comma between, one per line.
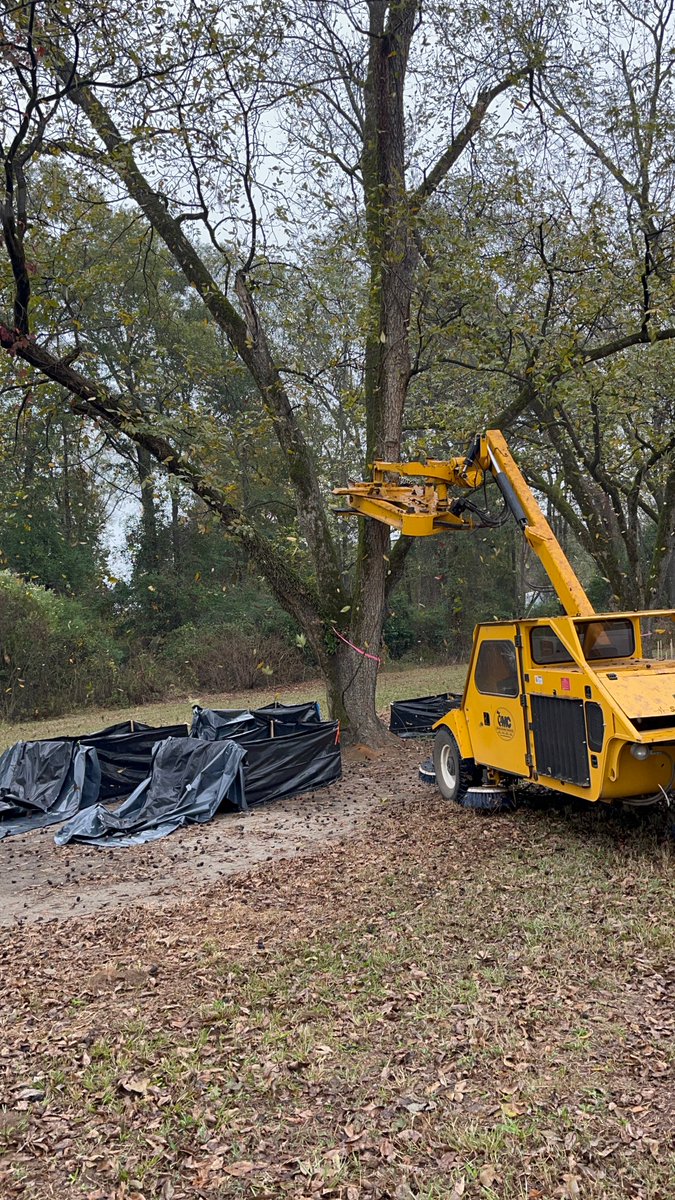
x=175, y=534
x=662, y=569
x=393, y=261
x=149, y=553
x=351, y=680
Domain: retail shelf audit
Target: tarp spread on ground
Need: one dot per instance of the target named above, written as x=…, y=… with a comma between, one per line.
x=190, y=780
x=289, y=749
x=47, y=781
x=43, y=783
x=412, y=718
x=233, y=758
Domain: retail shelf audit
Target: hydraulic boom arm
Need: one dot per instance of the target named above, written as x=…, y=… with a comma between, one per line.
x=419, y=510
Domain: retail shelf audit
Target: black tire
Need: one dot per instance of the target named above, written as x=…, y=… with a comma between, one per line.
x=454, y=774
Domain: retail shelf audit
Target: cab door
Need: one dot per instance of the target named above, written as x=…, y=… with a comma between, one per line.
x=493, y=706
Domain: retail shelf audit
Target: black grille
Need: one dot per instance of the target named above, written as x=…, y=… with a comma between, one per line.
x=560, y=745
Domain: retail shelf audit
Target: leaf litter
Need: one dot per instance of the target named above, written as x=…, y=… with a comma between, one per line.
x=439, y=1005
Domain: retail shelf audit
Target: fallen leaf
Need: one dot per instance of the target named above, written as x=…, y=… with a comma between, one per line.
x=413, y=1105
x=239, y=1169
x=32, y=1094
x=487, y=1175
x=512, y=1110
x=136, y=1085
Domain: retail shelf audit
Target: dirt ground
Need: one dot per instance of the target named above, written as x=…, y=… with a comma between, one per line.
x=365, y=994
x=40, y=881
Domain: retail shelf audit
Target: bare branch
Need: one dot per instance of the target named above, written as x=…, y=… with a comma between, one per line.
x=458, y=145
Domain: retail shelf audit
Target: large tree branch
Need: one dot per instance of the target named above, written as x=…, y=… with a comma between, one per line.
x=642, y=337
x=527, y=391
x=245, y=334
x=435, y=176
x=90, y=399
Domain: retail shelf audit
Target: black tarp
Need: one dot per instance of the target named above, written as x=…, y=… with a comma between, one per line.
x=49, y=780
x=189, y=782
x=301, y=760
x=213, y=724
x=125, y=754
x=45, y=782
x=289, y=749
x=238, y=759
x=413, y=718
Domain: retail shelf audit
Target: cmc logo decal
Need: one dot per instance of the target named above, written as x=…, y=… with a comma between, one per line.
x=504, y=725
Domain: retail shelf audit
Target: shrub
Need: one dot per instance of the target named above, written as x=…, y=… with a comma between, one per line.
x=56, y=656
x=399, y=631
x=226, y=659
x=143, y=676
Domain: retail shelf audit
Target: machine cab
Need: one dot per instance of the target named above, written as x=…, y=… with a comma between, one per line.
x=583, y=705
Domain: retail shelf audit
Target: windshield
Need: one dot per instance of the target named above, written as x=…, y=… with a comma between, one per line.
x=546, y=647
x=607, y=639
x=658, y=637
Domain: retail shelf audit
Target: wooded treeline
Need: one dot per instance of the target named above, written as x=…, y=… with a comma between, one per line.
x=247, y=252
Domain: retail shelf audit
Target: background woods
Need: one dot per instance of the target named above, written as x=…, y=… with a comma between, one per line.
x=246, y=253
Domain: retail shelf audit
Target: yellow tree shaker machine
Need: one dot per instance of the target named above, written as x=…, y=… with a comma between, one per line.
x=582, y=704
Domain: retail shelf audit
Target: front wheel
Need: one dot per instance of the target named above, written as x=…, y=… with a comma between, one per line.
x=454, y=774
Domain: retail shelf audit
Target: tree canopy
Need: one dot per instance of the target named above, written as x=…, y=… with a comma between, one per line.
x=259, y=247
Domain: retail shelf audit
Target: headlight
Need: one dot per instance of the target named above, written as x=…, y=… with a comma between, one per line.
x=639, y=751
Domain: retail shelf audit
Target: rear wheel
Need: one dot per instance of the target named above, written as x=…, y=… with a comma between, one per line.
x=454, y=774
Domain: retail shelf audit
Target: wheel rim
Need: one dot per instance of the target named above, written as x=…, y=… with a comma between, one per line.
x=448, y=768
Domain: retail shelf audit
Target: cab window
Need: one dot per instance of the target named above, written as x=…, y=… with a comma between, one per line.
x=546, y=646
x=607, y=639
x=496, y=669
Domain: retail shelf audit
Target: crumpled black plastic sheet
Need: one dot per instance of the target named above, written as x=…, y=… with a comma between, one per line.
x=190, y=780
x=43, y=783
x=236, y=760
x=414, y=718
x=49, y=780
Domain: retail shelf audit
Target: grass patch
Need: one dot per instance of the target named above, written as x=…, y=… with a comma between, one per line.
x=396, y=684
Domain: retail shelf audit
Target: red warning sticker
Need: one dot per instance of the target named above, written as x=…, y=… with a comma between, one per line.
x=565, y=683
